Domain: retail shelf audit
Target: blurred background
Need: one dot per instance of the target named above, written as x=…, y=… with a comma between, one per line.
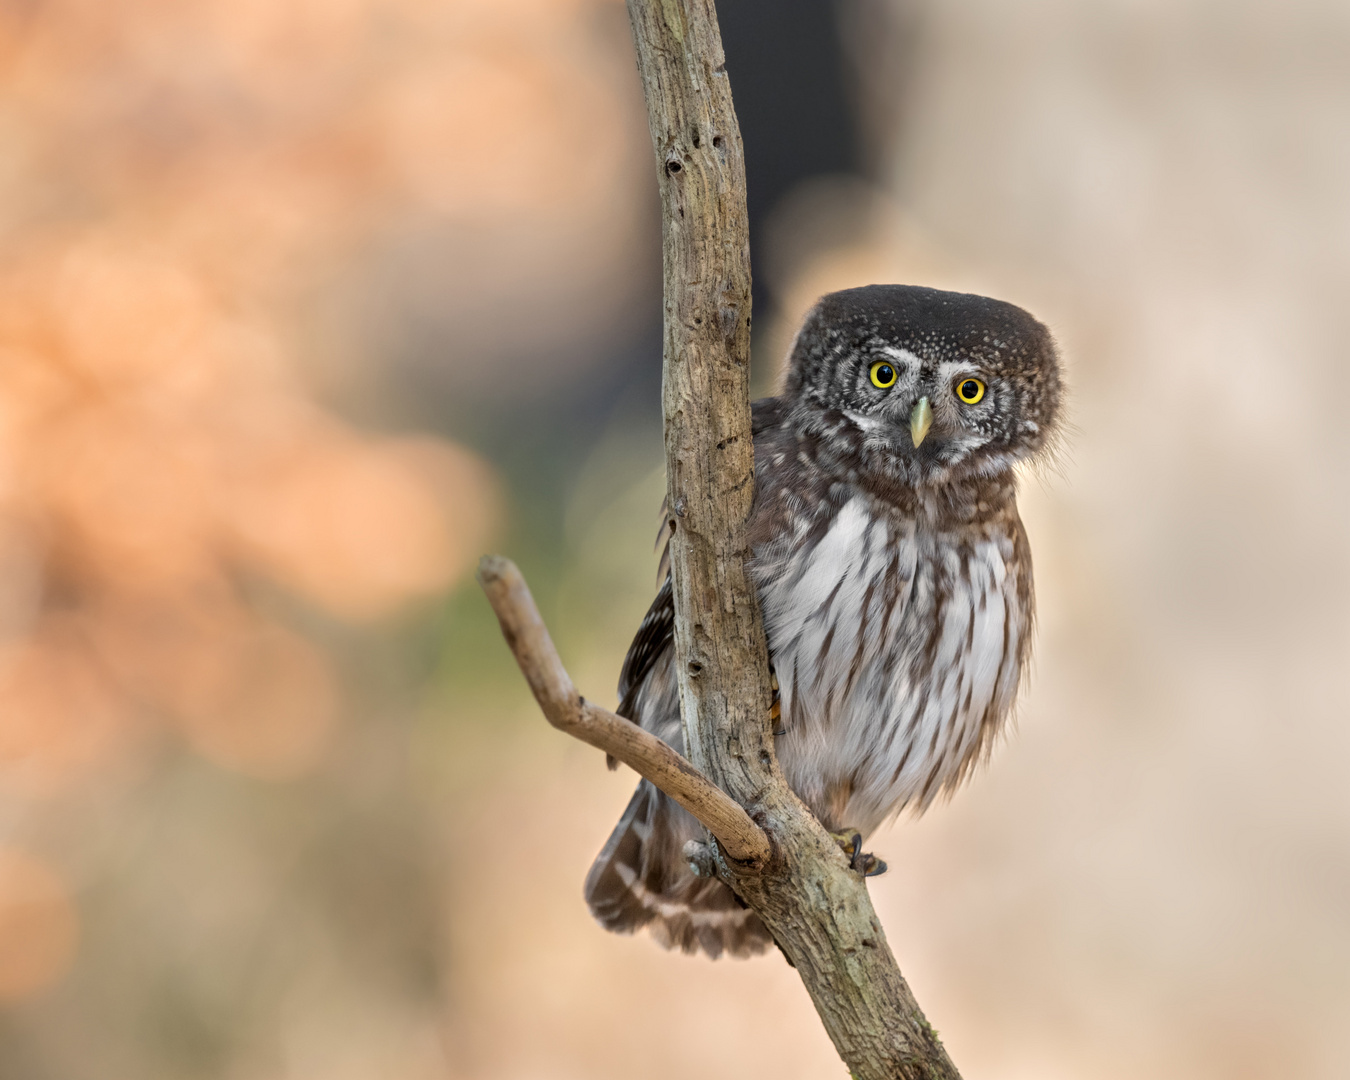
x=306, y=304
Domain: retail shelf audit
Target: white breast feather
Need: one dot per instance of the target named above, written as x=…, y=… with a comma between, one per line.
x=853, y=709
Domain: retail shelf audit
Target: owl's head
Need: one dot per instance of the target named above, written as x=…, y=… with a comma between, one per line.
x=940, y=385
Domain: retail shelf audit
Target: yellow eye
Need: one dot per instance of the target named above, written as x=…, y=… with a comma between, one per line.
x=970, y=390
x=883, y=375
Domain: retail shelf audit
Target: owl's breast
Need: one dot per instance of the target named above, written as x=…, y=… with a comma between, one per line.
x=898, y=647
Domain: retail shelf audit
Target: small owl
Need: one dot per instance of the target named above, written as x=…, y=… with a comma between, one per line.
x=893, y=574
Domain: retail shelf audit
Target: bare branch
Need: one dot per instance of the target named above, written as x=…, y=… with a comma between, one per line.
x=782, y=862
x=814, y=905
x=568, y=711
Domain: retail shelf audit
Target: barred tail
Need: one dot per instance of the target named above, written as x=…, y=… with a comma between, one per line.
x=641, y=878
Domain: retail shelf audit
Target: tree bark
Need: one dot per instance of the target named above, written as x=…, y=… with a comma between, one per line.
x=640, y=750
x=768, y=846
x=816, y=907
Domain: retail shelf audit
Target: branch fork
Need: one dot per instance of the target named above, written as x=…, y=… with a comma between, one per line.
x=799, y=883
x=569, y=712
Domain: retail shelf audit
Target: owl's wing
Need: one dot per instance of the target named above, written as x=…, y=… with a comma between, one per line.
x=655, y=634
x=652, y=639
x=663, y=535
x=658, y=628
x=657, y=631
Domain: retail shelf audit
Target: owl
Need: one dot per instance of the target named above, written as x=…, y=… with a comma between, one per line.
x=894, y=578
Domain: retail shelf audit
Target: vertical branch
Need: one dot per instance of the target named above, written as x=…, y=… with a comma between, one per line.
x=722, y=662
x=815, y=906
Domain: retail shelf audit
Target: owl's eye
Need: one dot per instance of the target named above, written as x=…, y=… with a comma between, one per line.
x=883, y=375
x=970, y=390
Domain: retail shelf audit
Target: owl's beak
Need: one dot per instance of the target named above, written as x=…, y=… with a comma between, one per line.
x=920, y=420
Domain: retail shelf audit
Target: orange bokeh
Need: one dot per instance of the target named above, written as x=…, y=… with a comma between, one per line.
x=158, y=450
x=185, y=191
x=38, y=926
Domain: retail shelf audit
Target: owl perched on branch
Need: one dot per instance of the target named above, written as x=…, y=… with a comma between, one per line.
x=894, y=578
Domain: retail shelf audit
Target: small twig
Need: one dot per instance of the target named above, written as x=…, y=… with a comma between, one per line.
x=568, y=711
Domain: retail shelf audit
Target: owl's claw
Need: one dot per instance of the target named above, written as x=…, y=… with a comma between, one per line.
x=863, y=862
x=776, y=709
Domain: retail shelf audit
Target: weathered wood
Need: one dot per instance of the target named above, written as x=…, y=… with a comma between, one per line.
x=776, y=856
x=816, y=907
x=568, y=711
x=723, y=668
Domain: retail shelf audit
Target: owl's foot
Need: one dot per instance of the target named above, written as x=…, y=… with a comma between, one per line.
x=863, y=862
x=776, y=709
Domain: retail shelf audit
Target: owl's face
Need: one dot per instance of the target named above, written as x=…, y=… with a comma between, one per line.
x=940, y=385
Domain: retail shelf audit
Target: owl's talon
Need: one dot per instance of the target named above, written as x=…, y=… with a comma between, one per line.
x=776, y=715
x=862, y=862
x=845, y=840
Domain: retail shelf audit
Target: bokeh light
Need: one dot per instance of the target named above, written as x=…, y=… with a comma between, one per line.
x=38, y=926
